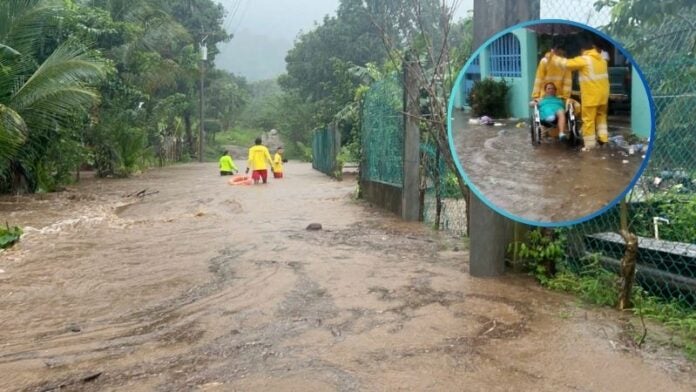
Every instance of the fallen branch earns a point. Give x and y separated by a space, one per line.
89 377
141 193
136 193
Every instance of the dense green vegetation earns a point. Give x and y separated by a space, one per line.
109 84
330 67
114 85
543 256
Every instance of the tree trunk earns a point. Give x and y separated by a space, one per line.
438 190
20 181
189 134
628 269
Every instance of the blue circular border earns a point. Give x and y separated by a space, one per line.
504 212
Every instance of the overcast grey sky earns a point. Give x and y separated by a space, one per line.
264 30
285 18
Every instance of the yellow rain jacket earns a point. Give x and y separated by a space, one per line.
277 163
227 164
550 72
592 75
258 155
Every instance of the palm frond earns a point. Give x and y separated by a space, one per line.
59 86
23 23
7 50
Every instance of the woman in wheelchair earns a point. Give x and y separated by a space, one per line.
552 113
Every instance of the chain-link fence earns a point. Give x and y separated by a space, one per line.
443 205
383 132
326 145
661 208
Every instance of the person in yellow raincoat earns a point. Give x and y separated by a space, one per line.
593 76
278 160
258 156
226 164
549 72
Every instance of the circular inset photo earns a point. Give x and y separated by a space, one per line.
550 122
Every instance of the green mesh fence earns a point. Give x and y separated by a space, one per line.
325 148
662 205
382 132
443 207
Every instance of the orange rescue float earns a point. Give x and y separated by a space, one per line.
240 180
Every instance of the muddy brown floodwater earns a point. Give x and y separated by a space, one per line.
546 183
205 286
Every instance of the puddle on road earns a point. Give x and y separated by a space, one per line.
547 183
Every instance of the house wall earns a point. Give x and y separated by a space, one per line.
640 107
520 88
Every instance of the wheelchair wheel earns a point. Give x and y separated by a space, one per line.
535 131
575 138
535 125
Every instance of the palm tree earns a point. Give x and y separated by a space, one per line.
40 91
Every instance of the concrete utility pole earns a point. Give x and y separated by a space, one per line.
491 232
201 129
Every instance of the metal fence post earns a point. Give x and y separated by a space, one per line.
410 193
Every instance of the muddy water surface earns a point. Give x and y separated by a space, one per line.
205 286
546 183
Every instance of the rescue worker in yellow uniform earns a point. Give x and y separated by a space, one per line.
278 160
226 164
548 72
258 156
593 76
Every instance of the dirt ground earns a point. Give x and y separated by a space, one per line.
202 286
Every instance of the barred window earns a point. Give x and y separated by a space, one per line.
505 57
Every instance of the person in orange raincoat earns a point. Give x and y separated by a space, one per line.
593 76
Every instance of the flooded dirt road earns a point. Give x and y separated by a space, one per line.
546 183
201 286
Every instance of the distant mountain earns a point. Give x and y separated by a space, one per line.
254 56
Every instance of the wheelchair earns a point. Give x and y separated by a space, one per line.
539 127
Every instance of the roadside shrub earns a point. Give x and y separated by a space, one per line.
9 235
487 98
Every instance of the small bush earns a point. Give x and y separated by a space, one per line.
487 98
540 253
304 151
9 235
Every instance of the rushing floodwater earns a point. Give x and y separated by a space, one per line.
547 183
202 286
